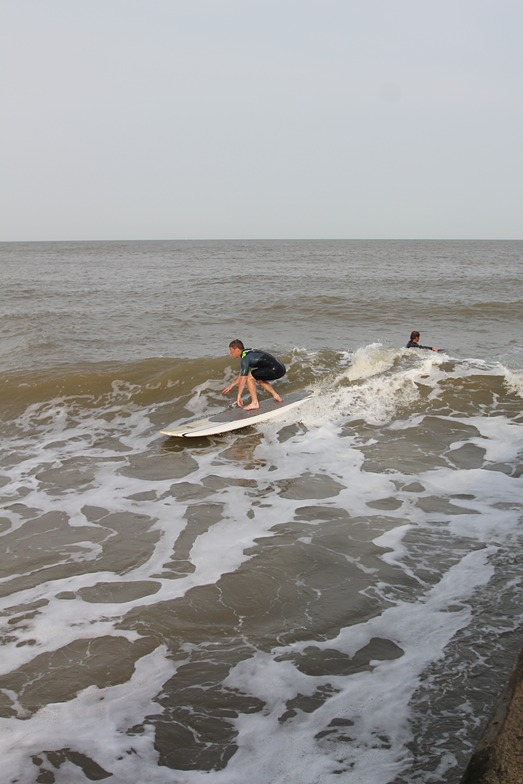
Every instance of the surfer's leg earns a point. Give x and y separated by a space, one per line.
270 389
251 386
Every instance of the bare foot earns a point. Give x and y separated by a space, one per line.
278 399
251 407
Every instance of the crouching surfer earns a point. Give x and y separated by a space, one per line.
256 367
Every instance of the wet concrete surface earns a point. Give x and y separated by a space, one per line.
498 758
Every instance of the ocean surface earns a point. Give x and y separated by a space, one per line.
333 596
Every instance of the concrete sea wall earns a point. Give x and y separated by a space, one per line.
498 758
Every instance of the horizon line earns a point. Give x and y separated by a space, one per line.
270 239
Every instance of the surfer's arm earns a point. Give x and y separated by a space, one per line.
412 344
231 386
242 380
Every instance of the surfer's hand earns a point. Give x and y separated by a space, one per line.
239 402
226 390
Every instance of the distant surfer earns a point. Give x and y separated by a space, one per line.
255 367
414 342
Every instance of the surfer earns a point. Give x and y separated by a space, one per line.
255 367
414 342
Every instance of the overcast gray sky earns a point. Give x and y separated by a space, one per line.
181 119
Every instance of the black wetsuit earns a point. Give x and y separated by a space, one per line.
412 344
263 366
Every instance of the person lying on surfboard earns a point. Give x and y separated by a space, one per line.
256 367
414 342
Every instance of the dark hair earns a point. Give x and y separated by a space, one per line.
237 344
414 335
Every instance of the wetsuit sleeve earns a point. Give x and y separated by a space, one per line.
245 365
411 344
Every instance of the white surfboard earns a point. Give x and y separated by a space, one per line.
235 418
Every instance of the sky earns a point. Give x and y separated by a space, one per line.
261 119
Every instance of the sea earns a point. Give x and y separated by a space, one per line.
333 596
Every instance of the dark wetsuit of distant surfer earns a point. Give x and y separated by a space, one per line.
414 342
255 367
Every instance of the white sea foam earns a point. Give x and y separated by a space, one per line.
407 532
97 724
514 381
375 703
370 360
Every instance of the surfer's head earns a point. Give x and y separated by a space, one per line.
414 336
236 348
237 344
